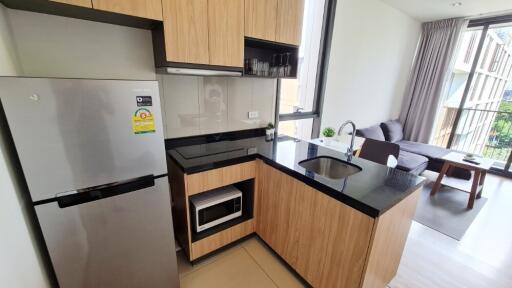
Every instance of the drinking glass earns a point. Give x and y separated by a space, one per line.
254 66
287 65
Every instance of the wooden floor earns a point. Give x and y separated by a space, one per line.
483 257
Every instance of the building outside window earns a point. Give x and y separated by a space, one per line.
485 125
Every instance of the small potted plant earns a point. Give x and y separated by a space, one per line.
270 129
328 134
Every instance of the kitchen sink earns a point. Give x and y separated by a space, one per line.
330 167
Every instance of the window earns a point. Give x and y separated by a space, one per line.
301 128
476 112
299 99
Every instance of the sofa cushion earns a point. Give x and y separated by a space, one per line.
412 163
393 130
372 132
429 151
434 155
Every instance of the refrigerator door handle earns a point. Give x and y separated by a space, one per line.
68 199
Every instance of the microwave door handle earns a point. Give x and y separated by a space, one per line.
68 199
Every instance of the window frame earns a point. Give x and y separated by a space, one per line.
484 24
321 77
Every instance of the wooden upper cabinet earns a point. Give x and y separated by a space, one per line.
260 19
151 9
289 21
83 3
186 31
226 32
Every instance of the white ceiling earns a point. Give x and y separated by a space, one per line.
430 10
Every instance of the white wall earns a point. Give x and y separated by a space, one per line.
20 263
54 46
371 56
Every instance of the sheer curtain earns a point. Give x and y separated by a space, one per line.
432 66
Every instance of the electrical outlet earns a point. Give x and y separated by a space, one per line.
252 150
254 114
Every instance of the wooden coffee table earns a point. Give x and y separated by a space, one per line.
454 159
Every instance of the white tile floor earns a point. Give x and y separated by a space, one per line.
248 264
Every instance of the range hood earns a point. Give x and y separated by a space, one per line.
197 72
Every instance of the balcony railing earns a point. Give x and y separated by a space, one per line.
484 132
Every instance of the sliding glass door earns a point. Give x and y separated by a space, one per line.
476 114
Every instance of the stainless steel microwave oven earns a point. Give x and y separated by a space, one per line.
215 207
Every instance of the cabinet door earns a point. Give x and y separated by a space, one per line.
83 3
186 31
324 240
260 19
289 21
151 9
226 32
277 210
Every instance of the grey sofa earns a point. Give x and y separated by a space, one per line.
414 157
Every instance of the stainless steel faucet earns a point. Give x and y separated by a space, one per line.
350 150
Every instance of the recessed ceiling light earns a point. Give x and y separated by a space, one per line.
456 4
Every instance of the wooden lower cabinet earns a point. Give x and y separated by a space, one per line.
327 242
208 180
221 239
324 240
388 242
185 185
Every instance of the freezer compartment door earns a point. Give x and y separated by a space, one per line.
125 240
74 133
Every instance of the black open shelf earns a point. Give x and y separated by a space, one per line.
247 189
264 50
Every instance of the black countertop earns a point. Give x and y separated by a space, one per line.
372 191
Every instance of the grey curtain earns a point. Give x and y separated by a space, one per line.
431 70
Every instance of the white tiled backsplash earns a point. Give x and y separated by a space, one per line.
194 105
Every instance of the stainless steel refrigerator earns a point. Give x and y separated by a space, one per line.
93 156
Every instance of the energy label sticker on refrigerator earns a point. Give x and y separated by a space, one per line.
143 121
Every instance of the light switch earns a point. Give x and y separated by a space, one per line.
254 114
